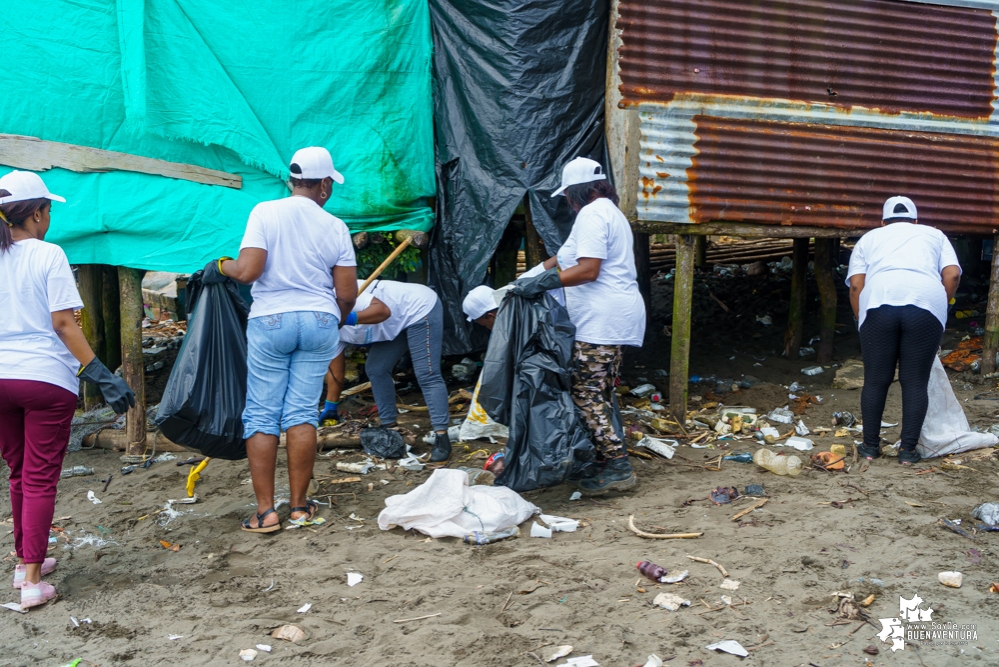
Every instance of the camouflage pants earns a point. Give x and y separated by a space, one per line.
597 367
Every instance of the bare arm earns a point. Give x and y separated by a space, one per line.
550 263
376 313
247 267
71 335
951 278
856 287
586 271
345 285
335 377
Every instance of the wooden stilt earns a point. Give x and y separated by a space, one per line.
111 305
799 290
683 296
643 269
825 265
991 343
701 252
90 278
534 248
505 259
133 368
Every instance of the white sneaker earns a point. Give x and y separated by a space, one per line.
48 566
33 595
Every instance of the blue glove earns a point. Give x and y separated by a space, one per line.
329 414
539 284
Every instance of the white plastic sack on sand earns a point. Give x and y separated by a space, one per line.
478 424
446 506
945 429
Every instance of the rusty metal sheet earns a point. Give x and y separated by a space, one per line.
884 55
697 168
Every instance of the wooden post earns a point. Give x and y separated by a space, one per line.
133 368
111 305
683 297
534 248
825 278
991 343
643 269
701 252
797 304
505 258
417 239
90 278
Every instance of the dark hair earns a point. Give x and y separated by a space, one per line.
310 183
581 194
15 213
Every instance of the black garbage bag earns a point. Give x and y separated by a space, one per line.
383 443
526 384
202 405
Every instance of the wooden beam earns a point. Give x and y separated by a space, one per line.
534 247
33 154
797 304
743 230
700 251
416 239
111 305
90 278
825 278
133 367
991 343
683 298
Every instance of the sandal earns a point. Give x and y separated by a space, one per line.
310 509
261 528
868 452
908 456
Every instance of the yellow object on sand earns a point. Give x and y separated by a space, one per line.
194 476
838 450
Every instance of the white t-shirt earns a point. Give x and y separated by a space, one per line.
36 281
902 263
610 310
408 302
303 244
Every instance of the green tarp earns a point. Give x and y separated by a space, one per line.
235 87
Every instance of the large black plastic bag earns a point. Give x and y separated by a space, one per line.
526 384
202 405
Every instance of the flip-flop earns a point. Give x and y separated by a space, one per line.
261 528
310 509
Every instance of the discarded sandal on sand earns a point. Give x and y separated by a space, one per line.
261 528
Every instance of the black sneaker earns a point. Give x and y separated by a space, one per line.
616 476
586 470
442 449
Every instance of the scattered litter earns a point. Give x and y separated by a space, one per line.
653 661
866 602
670 601
479 538
796 386
266 648
729 646
847 419
651 570
800 428
184 501
585 661
644 390
781 416
952 579
173 638
664 448
560 524
801 444
806 351
723 495
170 547
765 320
726 600
730 585
987 512
576 495
755 490
354 578
675 578
871 649
769 432
289 633
741 457
92 498
830 461
780 465
248 654
558 652
362 468
811 370
304 609
537 530
13 606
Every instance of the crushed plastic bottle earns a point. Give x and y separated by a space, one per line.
479 537
780 465
741 457
652 571
77 471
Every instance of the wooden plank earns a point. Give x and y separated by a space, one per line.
991 343
683 298
743 230
133 367
700 251
111 305
33 154
799 290
825 277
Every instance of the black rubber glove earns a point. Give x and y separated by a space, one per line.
531 287
116 391
211 274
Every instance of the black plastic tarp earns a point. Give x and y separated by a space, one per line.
518 92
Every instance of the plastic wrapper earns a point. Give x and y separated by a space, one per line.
526 384
202 404
383 443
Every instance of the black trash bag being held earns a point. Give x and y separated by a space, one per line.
202 405
526 384
383 443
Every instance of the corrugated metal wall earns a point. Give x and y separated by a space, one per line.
812 112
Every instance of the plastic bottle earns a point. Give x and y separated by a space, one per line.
477 537
651 570
77 471
781 465
741 457
702 379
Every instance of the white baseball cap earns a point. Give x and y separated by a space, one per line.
314 162
25 185
580 170
479 302
891 208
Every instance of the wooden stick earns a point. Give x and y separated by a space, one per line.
418 618
709 562
506 602
356 390
384 265
663 536
750 509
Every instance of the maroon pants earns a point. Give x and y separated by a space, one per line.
35 418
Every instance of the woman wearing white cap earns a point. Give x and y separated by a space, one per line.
901 278
44 354
301 262
596 265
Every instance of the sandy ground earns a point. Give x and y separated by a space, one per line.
225 590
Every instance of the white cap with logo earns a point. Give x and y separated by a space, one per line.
580 170
898 207
314 162
25 185
479 302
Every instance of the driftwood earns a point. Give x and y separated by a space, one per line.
709 562
659 536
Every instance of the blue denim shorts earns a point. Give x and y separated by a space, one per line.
287 358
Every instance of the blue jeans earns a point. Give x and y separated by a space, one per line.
287 357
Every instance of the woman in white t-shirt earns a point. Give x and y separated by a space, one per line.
596 266
901 278
393 317
301 262
44 354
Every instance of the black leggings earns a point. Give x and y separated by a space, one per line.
908 336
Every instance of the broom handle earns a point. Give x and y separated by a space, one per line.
384 265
